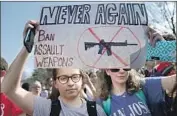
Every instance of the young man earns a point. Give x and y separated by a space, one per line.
67 81
8 108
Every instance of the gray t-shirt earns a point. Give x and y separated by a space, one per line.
42 107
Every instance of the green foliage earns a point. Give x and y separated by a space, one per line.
39 74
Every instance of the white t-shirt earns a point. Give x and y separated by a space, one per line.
42 107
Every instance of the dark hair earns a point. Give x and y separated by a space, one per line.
169 37
4 64
25 86
55 93
132 84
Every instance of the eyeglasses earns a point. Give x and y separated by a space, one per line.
117 70
64 78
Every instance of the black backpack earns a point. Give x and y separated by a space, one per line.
56 108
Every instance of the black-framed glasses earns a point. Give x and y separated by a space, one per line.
64 78
117 70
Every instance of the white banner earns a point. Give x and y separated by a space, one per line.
107 35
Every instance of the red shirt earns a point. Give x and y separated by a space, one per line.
8 108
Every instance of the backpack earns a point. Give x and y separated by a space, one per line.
56 108
107 103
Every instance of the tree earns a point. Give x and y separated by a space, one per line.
168 12
161 15
169 16
39 74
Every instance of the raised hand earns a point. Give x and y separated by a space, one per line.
30 24
154 36
29 33
88 85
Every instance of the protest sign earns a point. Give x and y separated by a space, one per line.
105 35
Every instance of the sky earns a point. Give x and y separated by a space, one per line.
14 15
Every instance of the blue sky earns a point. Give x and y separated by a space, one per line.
14 15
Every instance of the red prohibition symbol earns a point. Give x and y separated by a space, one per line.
98 39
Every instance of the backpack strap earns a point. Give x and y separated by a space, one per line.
141 96
55 108
107 105
91 108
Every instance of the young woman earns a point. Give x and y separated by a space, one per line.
67 81
126 94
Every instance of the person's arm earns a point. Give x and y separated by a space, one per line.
168 82
153 36
11 83
88 85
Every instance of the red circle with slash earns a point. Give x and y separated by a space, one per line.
98 39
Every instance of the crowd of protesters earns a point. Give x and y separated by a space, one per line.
149 91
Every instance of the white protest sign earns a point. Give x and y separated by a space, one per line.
106 35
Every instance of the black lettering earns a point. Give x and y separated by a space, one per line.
36 50
111 14
85 15
47 37
44 49
51 62
40 49
41 36
78 16
60 62
122 15
70 63
140 14
131 14
100 15
55 60
48 50
39 63
63 12
61 52
65 62
72 10
49 15
46 61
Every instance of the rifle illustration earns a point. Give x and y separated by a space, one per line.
102 44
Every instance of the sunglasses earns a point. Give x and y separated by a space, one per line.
117 70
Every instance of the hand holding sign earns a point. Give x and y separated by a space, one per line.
112 28
154 36
30 24
29 33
